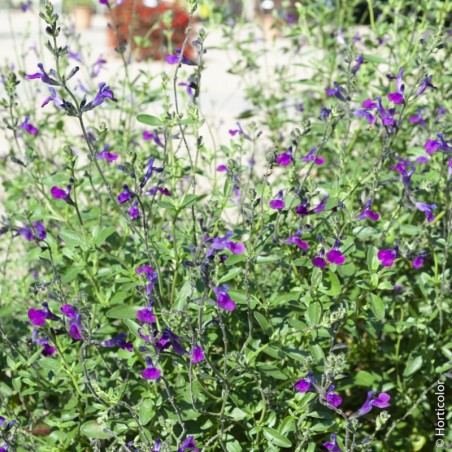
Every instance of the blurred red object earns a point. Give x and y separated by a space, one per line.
139 23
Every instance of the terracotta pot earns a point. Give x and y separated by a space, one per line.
145 18
82 17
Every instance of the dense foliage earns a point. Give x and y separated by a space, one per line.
286 288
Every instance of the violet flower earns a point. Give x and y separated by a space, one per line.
239 131
335 256
28 127
305 384
222 168
146 315
387 257
427 209
197 355
42 74
424 84
188 444
312 157
332 445
431 146
59 103
220 243
134 211
295 240
125 195
386 116
224 301
169 339
151 276
154 136
153 190
324 113
118 341
359 62
368 212
285 158
333 399
47 349
176 57
108 156
418 262
75 328
397 97
27 233
104 93
277 203
381 401
39 316
401 168
418 118
149 170
338 92
303 208
61 193
97 66
319 262
150 372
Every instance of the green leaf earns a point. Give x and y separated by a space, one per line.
92 429
188 201
372 260
378 306
230 275
146 411
72 237
263 322
412 366
276 438
102 234
234 259
149 120
366 379
123 312
133 327
314 313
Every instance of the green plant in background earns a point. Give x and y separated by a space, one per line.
287 288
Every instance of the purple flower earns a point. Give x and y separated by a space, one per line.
386 116
118 341
418 119
222 168
97 66
174 59
368 212
335 256
188 444
431 146
333 446
337 92
69 311
224 301
48 350
295 240
424 84
28 127
324 113
125 195
146 315
311 157
27 233
333 399
151 373
303 208
277 203
75 328
42 74
37 316
285 158
418 262
167 339
59 103
134 211
61 193
40 230
155 189
104 93
147 136
319 262
149 170
25 6
427 208
220 243
397 97
359 62
197 355
239 131
401 168
151 276
305 384
382 401
387 257
108 156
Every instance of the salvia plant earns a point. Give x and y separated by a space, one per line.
174 280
